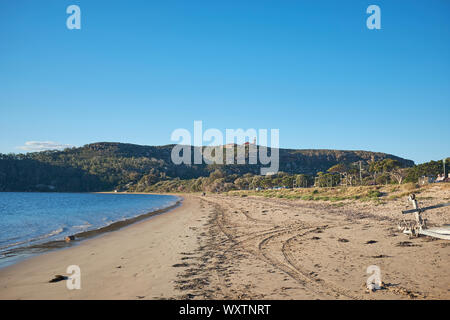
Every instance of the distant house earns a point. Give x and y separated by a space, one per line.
230 146
425 180
249 143
279 187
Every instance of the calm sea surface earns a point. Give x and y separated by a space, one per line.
29 221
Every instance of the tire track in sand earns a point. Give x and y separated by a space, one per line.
280 259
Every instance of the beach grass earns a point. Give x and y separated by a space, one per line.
377 193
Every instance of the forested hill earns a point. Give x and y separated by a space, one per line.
108 166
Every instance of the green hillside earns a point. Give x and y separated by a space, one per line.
109 166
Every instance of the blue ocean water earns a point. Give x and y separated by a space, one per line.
31 219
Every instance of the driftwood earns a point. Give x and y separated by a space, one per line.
420 225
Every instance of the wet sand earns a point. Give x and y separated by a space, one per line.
222 247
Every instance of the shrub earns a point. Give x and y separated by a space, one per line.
374 194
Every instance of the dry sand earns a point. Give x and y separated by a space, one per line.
221 247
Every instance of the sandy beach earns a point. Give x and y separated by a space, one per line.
224 247
132 263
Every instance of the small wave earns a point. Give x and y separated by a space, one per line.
27 241
54 233
83 226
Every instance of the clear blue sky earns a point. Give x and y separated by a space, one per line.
137 70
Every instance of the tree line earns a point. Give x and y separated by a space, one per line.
118 166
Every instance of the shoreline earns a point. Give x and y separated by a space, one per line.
222 247
100 258
17 255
